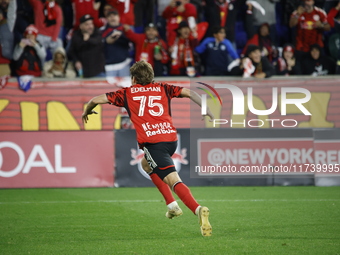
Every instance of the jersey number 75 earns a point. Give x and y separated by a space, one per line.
151 104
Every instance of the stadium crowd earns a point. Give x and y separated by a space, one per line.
98 38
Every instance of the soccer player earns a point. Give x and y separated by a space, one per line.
311 22
148 105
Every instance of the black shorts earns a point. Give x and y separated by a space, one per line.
158 156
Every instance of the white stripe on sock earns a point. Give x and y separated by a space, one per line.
197 209
172 205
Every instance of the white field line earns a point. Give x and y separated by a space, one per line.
157 201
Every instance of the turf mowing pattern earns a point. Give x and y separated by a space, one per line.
245 220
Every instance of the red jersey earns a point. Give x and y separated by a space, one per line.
126 13
83 7
307 34
333 13
182 55
145 48
39 18
175 17
149 109
223 13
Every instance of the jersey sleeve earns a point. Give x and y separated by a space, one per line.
116 98
323 16
190 10
172 91
134 37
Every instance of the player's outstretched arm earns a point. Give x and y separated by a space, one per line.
102 99
196 99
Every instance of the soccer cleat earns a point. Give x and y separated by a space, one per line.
175 212
203 216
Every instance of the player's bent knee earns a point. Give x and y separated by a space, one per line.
172 178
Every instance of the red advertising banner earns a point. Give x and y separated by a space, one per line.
327 155
56 159
58 105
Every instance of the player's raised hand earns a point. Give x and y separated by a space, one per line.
85 117
101 99
300 10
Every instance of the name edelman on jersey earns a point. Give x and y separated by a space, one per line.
142 89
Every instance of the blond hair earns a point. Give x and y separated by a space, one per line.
142 71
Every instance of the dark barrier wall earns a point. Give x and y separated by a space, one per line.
327 150
129 172
254 157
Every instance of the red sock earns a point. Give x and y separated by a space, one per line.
163 188
184 193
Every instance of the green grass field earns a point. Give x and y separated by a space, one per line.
245 220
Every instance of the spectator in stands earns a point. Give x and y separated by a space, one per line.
7 21
176 12
90 7
288 64
218 52
252 64
149 47
182 51
8 9
144 12
216 12
334 38
125 10
24 17
86 49
59 67
263 39
334 15
311 22
160 21
116 47
106 9
48 19
316 64
259 18
334 47
29 54
234 8
4 6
